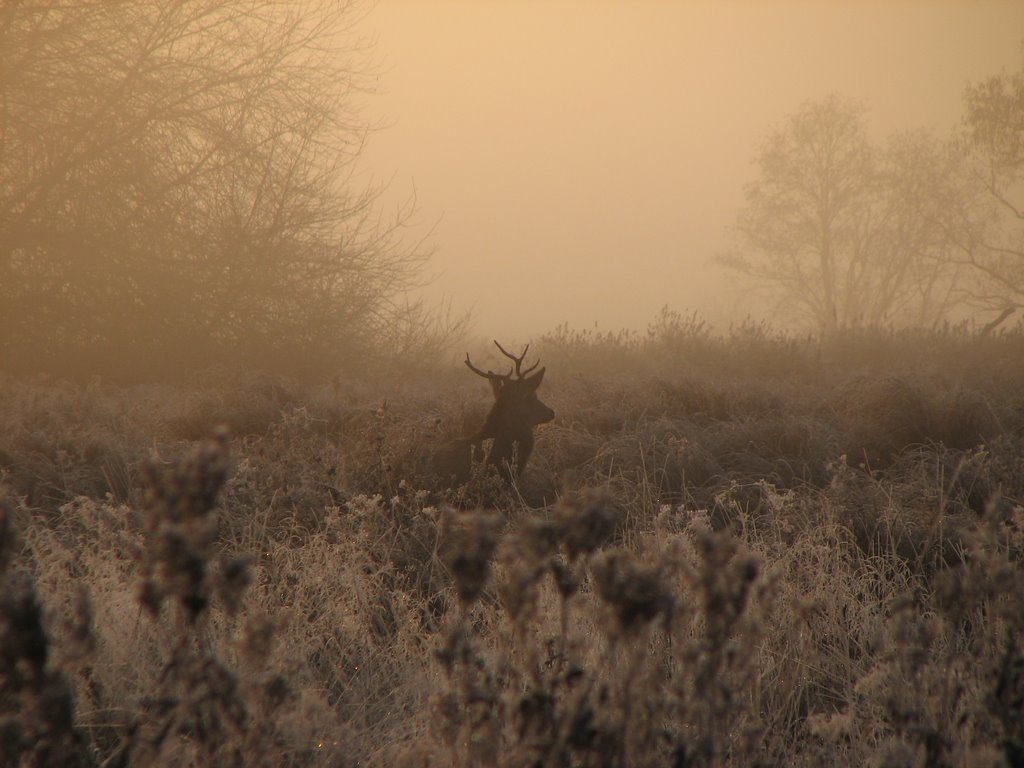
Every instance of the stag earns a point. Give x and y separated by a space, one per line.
516 411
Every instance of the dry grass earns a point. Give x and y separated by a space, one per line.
734 551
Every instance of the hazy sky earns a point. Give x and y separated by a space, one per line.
583 161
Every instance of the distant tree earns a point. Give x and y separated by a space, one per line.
177 189
837 228
986 228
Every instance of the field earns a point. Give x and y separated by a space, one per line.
749 549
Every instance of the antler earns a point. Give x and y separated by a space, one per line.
518 360
487 374
518 370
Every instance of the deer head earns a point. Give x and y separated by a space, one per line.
516 411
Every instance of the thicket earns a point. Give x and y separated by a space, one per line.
179 189
726 550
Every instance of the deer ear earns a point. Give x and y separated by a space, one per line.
496 387
535 380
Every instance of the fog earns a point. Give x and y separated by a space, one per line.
582 162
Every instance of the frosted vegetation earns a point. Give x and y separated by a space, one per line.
724 551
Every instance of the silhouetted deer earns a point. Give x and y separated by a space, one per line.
516 411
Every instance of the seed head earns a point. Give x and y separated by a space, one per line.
587 525
468 544
635 591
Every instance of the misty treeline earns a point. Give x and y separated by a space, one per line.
845 232
177 190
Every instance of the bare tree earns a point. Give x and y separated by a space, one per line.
986 227
837 227
176 186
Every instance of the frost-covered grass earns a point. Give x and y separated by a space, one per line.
738 550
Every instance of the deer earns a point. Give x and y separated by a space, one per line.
510 423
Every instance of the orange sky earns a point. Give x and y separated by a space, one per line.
583 161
